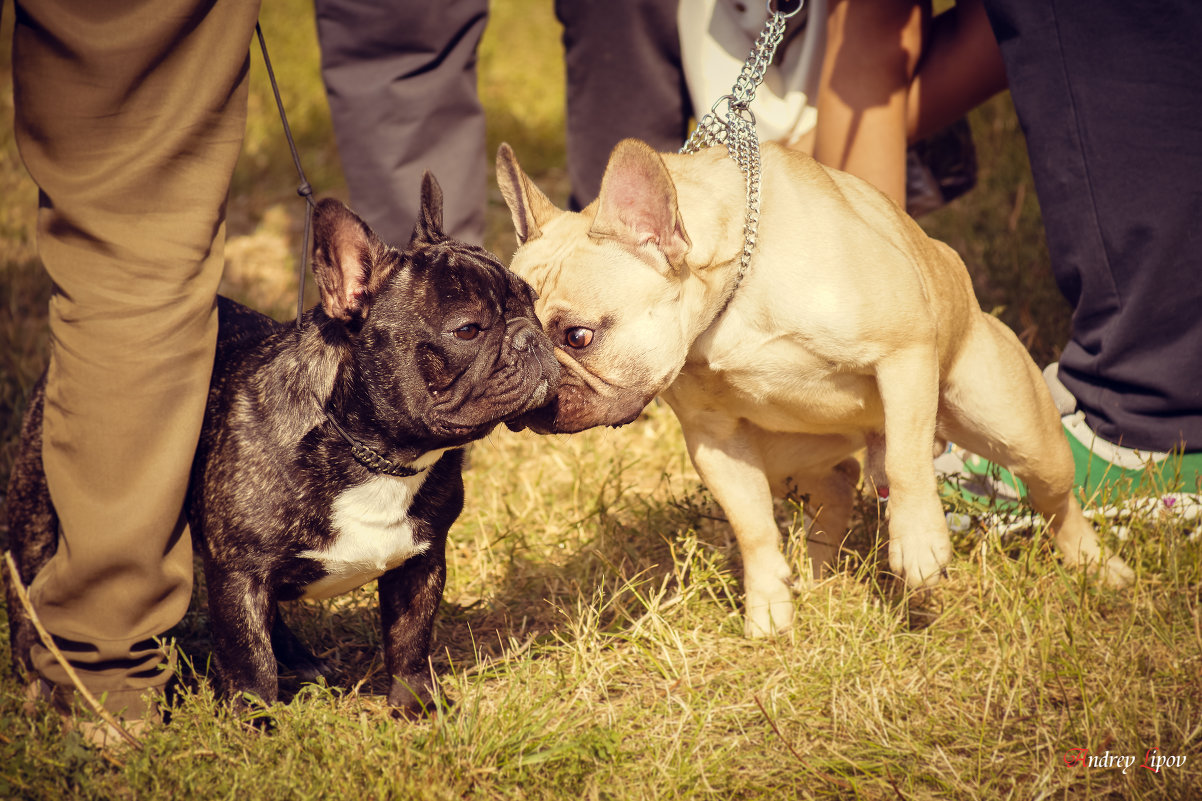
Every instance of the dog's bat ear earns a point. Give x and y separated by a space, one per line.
528 206
345 251
429 220
638 204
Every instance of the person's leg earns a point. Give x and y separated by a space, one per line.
401 82
961 67
624 79
892 77
1110 99
872 51
130 120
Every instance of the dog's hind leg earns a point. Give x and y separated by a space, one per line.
734 472
32 528
832 497
995 404
293 655
829 498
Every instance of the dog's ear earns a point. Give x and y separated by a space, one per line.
345 254
638 205
429 219
528 206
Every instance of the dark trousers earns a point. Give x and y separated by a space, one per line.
624 79
1109 95
401 82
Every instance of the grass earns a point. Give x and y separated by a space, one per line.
590 634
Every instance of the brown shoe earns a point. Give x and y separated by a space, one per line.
75 715
104 735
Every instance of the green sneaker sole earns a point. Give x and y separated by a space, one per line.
1103 472
1104 469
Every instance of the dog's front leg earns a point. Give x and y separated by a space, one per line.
241 615
919 546
409 597
734 473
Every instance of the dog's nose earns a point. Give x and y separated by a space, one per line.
525 336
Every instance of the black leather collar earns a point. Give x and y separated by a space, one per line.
372 459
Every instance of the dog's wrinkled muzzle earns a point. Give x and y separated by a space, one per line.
584 400
586 377
577 407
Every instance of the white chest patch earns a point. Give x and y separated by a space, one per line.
373 532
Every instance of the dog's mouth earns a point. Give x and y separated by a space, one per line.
585 400
468 430
516 388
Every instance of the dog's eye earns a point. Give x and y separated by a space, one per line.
466 332
578 337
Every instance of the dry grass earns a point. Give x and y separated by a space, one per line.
590 635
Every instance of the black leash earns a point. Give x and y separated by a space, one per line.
363 454
304 190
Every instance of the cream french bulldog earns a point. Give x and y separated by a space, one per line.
850 329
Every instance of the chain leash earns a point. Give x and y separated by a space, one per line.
730 121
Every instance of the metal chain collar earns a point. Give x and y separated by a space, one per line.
730 121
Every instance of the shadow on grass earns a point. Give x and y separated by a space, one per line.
647 553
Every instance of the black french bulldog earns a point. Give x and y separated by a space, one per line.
330 453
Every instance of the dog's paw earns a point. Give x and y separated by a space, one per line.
1114 573
1111 571
920 562
416 699
768 612
801 584
252 710
307 669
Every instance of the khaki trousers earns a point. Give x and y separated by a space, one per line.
130 117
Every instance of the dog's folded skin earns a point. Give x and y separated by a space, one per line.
852 328
330 453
